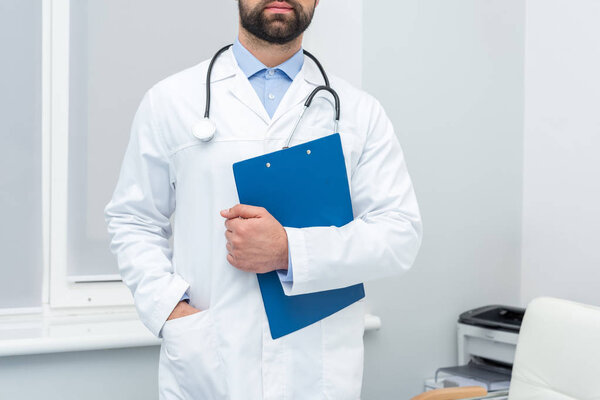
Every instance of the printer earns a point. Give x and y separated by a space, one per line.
487 341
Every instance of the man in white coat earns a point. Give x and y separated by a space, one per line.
201 295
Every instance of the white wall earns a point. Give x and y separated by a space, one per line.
124 374
561 197
335 38
450 76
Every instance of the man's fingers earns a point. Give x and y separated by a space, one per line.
230 259
231 224
244 211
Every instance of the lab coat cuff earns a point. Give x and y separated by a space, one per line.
298 258
166 302
287 275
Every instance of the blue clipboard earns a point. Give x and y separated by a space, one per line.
302 186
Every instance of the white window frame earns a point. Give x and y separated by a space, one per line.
60 291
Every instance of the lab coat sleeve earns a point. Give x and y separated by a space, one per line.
138 220
385 235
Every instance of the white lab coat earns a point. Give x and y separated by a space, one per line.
226 351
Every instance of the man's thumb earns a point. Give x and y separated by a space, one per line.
244 211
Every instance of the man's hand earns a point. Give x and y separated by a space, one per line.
256 241
182 309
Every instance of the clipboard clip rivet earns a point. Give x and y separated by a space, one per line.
268 165
307 151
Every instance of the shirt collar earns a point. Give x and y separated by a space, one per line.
250 65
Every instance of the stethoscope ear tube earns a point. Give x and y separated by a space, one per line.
325 78
307 104
208 75
333 93
205 129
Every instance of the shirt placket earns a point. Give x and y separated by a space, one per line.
269 95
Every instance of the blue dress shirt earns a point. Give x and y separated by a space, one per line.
270 85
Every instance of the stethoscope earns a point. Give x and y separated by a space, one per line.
205 129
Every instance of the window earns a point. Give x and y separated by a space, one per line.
21 154
105 55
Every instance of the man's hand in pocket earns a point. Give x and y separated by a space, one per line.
182 309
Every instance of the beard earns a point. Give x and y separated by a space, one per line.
276 28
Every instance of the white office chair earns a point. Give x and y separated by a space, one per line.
558 353
557 358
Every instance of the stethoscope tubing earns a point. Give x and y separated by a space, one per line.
307 103
208 76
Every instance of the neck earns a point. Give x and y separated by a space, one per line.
270 54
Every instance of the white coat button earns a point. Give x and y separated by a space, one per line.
271 96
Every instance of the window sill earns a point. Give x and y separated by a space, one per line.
39 334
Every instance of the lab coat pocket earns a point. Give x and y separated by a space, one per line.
343 352
191 348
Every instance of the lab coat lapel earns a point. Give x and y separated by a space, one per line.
306 80
242 89
226 67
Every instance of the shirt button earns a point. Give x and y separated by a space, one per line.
271 72
271 96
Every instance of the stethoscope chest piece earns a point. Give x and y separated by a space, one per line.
204 130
